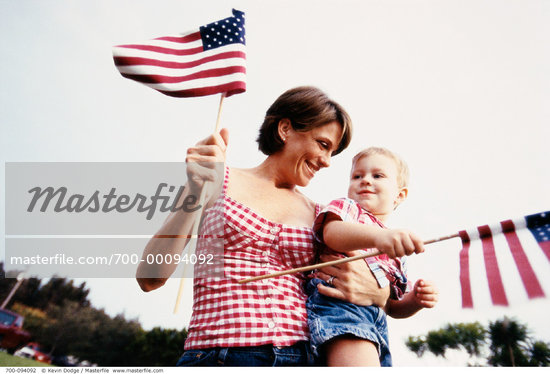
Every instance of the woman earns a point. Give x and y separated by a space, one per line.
266 226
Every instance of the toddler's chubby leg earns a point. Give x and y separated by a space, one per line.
351 351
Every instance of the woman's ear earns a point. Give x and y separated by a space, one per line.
284 128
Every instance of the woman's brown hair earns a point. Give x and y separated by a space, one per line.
306 108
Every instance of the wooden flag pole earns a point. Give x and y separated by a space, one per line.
194 235
217 128
335 262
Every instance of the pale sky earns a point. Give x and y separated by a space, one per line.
459 88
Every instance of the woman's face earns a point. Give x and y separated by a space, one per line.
305 153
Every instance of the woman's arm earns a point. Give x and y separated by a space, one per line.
202 161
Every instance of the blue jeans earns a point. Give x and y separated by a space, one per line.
298 354
329 318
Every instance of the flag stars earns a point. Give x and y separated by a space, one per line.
227 31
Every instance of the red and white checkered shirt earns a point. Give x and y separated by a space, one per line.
270 311
386 271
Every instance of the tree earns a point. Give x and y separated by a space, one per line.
468 336
33 293
160 347
90 334
60 317
510 343
540 354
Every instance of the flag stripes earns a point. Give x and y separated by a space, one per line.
143 66
526 272
215 72
495 259
467 301
496 288
205 61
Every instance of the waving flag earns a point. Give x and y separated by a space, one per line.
205 61
513 257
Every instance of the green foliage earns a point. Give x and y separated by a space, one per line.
540 354
60 317
159 347
508 341
468 336
417 345
438 342
34 294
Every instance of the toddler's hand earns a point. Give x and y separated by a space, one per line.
398 243
426 294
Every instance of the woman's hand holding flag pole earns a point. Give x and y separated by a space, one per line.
205 61
194 235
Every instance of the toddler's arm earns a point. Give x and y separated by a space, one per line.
348 236
424 295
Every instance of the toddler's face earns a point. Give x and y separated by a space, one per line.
374 185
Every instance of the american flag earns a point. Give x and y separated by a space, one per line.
505 263
205 61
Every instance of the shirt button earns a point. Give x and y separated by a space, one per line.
265 281
268 300
264 253
274 230
264 264
271 324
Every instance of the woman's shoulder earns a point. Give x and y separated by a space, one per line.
240 178
312 205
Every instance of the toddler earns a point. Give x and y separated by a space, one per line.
353 335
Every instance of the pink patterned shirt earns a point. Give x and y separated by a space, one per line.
270 311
